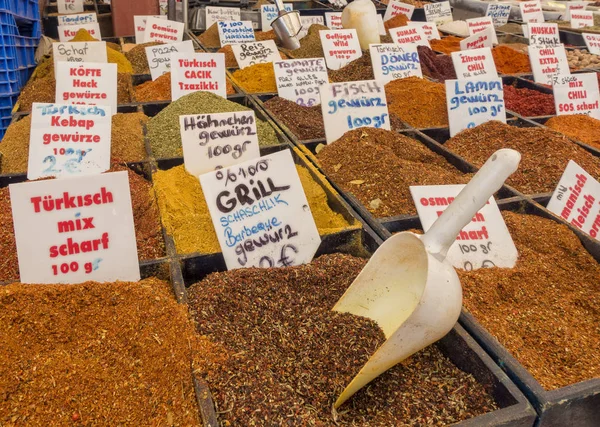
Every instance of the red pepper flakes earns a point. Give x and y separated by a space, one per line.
528 102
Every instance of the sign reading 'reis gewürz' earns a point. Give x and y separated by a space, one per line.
260 213
75 230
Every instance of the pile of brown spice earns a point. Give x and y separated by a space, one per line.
420 103
446 45
397 21
137 57
310 45
265 35
286 357
124 89
127 137
160 89
210 38
545 309
378 166
306 123
258 78
577 126
510 61
14 147
439 67
9 264
96 353
544 153
359 69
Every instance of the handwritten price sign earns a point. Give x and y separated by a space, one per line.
261 214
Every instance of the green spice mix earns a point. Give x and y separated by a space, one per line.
163 129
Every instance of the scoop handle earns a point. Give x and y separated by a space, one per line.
473 197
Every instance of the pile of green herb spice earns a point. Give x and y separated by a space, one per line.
163 129
286 355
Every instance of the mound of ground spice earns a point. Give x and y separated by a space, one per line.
258 78
544 153
397 21
265 35
577 126
287 356
426 110
92 352
310 45
9 264
15 147
359 69
163 129
511 28
446 45
510 61
124 88
186 218
127 137
528 102
37 90
305 122
545 309
210 38
137 57
439 67
377 166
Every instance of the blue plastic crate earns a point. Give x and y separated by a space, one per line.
8 100
24 8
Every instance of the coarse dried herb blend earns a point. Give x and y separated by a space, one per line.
359 69
163 129
137 57
286 357
310 45
544 153
439 67
96 354
580 127
258 78
186 217
378 166
528 102
420 103
545 309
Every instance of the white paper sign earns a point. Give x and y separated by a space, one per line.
68 140
253 53
232 32
543 34
307 21
531 11
483 38
340 47
474 63
268 13
396 7
82 18
197 72
439 13
499 13
576 199
573 6
215 141
139 22
159 56
69 6
163 30
403 36
429 29
577 94
75 230
477 25
484 242
79 52
333 20
298 80
67 32
352 105
391 62
472 102
90 83
216 14
581 19
548 62
260 213
592 41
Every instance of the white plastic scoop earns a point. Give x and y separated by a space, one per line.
408 288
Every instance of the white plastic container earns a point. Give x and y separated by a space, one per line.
361 15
